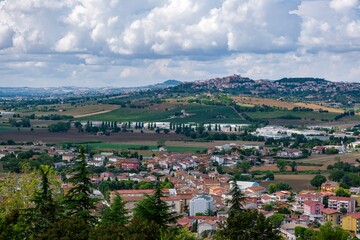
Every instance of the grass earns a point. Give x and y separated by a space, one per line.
118 146
199 114
283 113
7 129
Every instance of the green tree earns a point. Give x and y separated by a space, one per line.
272 188
237 198
46 210
293 166
78 200
341 192
317 181
281 186
281 165
248 224
244 165
116 213
276 219
328 232
67 229
154 209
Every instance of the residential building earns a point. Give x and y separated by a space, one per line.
205 225
200 204
313 196
338 203
313 207
331 215
351 222
329 186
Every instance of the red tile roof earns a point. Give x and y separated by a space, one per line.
340 198
311 203
329 211
355 215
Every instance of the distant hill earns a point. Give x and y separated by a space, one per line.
172 82
166 84
301 80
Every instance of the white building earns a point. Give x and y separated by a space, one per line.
200 204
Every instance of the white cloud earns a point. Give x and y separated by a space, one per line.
121 42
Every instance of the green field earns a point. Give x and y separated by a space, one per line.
202 114
303 115
7 129
118 146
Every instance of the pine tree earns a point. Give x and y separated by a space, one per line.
78 200
237 199
116 213
46 211
154 209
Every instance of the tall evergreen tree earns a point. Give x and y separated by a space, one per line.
78 200
116 213
237 199
154 209
46 211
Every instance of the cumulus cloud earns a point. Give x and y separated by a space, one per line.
121 42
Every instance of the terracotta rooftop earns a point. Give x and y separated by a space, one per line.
340 198
329 211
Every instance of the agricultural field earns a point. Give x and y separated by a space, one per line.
323 159
301 115
251 101
197 113
151 147
298 182
25 135
78 110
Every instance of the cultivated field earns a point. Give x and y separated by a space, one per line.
282 104
79 110
197 113
298 182
25 135
312 116
323 159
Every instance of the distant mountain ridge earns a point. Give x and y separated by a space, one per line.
72 90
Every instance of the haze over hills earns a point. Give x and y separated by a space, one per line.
302 88
72 90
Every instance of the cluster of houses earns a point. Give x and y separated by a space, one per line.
200 192
202 198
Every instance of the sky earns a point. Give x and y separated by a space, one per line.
125 43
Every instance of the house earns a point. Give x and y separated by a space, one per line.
99 158
339 203
129 164
297 219
282 195
115 158
290 153
331 215
266 199
255 191
95 163
206 225
318 149
243 185
351 222
329 186
68 157
313 196
312 208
